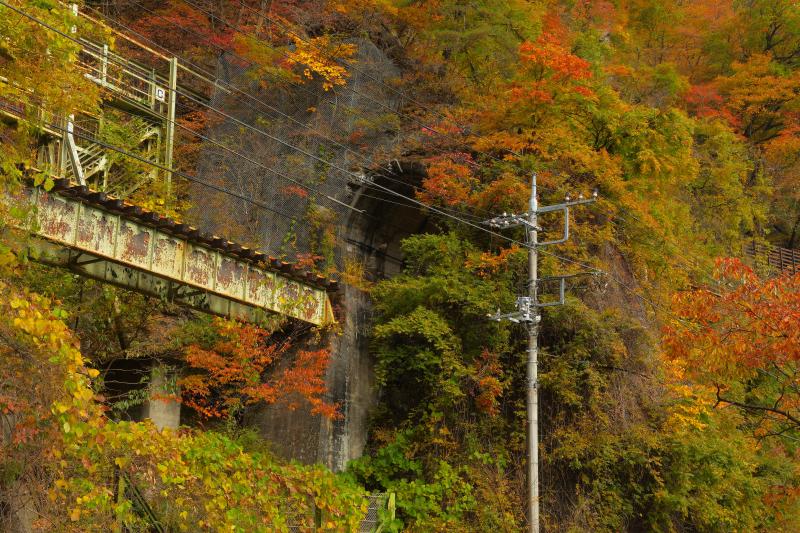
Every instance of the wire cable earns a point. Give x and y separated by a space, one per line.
261 102
414 119
262 205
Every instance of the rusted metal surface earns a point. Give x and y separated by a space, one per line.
119 249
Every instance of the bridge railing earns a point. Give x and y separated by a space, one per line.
124 78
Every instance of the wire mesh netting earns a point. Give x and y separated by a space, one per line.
372 520
298 149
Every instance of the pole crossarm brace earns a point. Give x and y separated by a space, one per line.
523 314
507 220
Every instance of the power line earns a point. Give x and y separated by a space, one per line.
180 173
287 30
300 86
386 189
261 102
219 188
264 206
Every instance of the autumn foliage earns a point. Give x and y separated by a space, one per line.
654 417
741 338
241 368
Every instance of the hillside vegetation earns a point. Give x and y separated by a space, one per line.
669 381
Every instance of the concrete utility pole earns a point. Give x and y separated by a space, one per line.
528 313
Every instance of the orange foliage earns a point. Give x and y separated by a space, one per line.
234 373
599 13
550 55
294 190
552 68
179 26
705 101
488 386
757 95
532 94
506 193
449 182
322 57
307 260
748 333
489 263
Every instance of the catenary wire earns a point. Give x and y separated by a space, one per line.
286 30
232 193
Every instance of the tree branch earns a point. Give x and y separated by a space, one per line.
751 407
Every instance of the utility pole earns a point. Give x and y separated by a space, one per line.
528 313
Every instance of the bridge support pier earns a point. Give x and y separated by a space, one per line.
163 406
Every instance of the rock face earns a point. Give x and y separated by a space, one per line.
313 159
374 242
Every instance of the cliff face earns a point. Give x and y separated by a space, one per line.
348 138
371 240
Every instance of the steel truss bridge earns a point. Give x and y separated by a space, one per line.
80 226
108 239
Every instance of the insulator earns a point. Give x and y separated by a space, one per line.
567 197
594 193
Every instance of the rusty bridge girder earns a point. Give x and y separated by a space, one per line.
116 242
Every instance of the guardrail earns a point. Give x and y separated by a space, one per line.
124 78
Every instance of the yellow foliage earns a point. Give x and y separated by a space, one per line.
321 57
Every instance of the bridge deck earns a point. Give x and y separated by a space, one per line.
113 241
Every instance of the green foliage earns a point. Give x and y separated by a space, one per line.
684 114
191 479
614 438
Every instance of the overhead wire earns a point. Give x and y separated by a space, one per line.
286 30
247 60
404 96
264 206
194 179
386 189
261 102
185 175
91 138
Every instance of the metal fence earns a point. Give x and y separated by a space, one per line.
773 259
